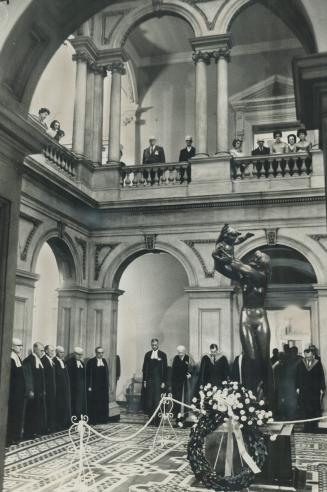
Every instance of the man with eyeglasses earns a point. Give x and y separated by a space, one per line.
16 394
97 377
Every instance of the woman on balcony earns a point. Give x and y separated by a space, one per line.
303 145
55 131
291 146
278 146
236 150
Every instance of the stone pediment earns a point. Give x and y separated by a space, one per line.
273 88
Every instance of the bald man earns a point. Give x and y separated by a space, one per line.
182 369
63 404
16 394
77 378
35 411
50 387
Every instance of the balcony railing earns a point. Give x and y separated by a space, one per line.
271 166
155 175
64 160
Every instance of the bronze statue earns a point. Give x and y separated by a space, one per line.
254 327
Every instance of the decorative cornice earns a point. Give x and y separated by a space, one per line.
97 263
82 243
36 223
271 236
117 67
191 243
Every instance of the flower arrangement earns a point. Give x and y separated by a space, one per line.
229 405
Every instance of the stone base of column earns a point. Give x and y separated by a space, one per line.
201 155
223 153
114 410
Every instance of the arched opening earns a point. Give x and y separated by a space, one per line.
291 298
154 305
45 315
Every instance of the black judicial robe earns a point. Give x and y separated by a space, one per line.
181 385
154 374
50 390
213 372
77 378
185 155
15 403
97 382
310 381
35 411
285 379
63 403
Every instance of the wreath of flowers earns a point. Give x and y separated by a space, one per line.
231 402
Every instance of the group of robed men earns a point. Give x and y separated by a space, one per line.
186 379
45 391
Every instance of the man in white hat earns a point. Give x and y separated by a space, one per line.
153 153
77 377
189 151
16 394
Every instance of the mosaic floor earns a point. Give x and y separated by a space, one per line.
48 463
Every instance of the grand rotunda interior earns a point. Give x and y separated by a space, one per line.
102 246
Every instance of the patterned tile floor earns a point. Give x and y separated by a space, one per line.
133 465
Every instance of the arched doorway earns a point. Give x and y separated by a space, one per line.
45 313
154 305
291 297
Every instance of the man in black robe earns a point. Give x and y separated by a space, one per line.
77 378
154 378
214 368
50 387
35 411
97 377
16 394
181 374
310 383
63 408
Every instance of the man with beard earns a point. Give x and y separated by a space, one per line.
35 412
50 387
77 378
16 394
154 377
181 375
63 410
214 368
97 377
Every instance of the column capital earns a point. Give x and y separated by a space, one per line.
204 56
97 69
81 56
117 67
222 52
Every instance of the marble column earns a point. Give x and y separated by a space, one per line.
100 74
117 69
222 58
89 112
201 60
80 102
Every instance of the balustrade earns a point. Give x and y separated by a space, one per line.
64 160
155 174
272 166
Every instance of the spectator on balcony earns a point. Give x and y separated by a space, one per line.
55 131
278 146
236 150
261 149
189 151
153 154
291 146
303 145
43 114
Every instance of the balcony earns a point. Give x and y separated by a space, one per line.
212 176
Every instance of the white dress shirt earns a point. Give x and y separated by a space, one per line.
38 363
16 359
49 359
79 364
100 363
154 354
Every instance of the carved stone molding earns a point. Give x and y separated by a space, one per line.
204 56
191 244
61 226
36 223
321 239
150 241
82 243
98 263
117 67
271 236
157 5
